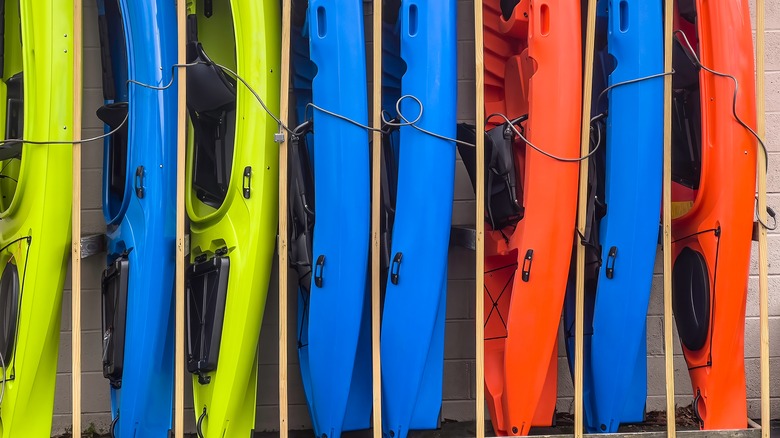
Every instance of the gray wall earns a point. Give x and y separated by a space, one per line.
459 370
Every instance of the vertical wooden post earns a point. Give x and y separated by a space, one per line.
284 104
479 83
671 426
75 271
763 285
582 203
181 146
376 169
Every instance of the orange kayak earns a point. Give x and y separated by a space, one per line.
714 172
531 49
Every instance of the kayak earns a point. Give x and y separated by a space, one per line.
139 181
231 197
424 39
712 215
329 210
35 206
530 200
629 207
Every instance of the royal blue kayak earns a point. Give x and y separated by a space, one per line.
330 202
420 49
615 360
139 183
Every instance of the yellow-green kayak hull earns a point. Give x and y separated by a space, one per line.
36 219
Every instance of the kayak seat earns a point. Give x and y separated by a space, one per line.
211 101
507 7
687 9
686 72
691 298
686 120
14 119
501 191
206 289
391 9
9 303
114 115
114 298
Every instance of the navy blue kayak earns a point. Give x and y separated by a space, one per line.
329 209
139 183
419 50
616 351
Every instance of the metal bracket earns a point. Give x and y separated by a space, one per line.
92 244
463 237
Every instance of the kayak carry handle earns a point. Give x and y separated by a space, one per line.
247 182
139 182
395 268
318 267
527 262
611 256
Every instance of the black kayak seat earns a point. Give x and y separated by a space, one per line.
211 101
208 88
113 114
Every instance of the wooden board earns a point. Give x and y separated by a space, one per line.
284 269
181 145
582 204
75 272
671 427
763 267
479 83
376 199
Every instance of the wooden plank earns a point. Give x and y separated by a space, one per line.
75 275
284 269
763 267
582 205
376 165
181 145
479 83
671 426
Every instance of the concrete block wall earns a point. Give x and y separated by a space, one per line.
459 367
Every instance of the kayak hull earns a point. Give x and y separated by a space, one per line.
35 226
524 51
711 241
237 236
616 381
334 318
141 226
413 336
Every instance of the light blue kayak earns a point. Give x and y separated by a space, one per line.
420 50
616 360
139 183
330 239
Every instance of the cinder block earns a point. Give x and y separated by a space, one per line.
457 380
459 342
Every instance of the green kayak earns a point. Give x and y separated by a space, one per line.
231 200
35 206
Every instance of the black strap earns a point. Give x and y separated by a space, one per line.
388 190
596 209
301 205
